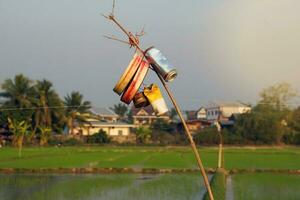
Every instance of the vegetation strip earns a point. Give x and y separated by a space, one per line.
111 170
101 170
218 185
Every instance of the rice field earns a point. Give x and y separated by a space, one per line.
266 186
149 157
101 187
252 185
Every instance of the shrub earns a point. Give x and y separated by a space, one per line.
55 141
98 138
72 142
208 135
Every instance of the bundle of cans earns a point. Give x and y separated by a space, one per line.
131 80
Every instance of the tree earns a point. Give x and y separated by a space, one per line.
76 109
277 96
120 109
293 127
143 134
44 134
173 113
47 97
19 129
267 121
18 93
99 138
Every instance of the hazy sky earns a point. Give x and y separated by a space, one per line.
222 49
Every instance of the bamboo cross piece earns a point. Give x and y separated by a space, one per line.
133 41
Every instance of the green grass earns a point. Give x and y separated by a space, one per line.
266 186
148 157
218 185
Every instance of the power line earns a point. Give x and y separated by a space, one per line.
40 107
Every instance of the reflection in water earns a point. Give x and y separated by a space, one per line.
98 187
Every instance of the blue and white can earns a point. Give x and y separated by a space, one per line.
160 63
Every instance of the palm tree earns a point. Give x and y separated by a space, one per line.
18 93
47 97
76 109
120 109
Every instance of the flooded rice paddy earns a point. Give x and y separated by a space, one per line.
98 187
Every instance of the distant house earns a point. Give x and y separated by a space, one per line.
146 116
105 114
117 131
194 126
196 114
222 111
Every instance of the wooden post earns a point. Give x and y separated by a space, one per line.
220 157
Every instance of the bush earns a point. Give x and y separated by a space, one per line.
208 135
162 137
297 139
230 137
98 138
55 141
72 142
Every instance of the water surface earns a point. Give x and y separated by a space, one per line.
98 187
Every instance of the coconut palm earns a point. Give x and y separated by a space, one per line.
120 109
18 93
47 97
76 109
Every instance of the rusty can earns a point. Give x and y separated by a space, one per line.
139 100
160 63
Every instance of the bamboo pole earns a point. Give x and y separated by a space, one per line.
187 132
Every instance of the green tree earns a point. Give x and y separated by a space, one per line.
267 122
173 113
161 125
47 97
143 134
293 127
99 138
120 109
18 93
19 129
277 96
76 109
44 134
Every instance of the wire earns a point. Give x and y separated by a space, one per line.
36 108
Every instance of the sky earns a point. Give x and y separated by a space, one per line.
222 49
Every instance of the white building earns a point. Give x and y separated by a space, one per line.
117 131
223 110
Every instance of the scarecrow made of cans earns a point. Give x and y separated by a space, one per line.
131 80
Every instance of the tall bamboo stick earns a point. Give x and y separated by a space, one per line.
187 132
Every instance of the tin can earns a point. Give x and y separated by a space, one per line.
128 74
135 83
156 99
139 100
160 63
